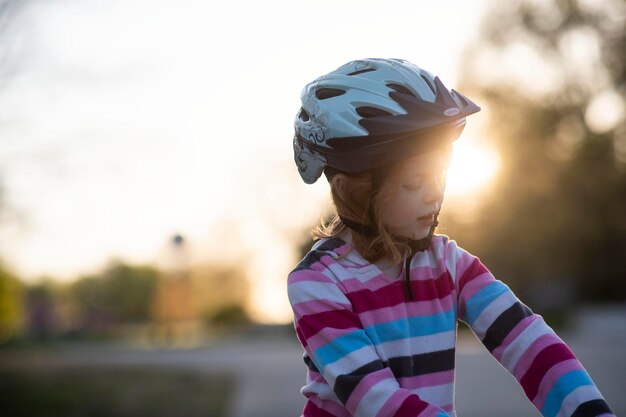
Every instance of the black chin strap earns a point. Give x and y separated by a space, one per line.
416 246
364 229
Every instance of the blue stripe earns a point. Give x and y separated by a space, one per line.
412 327
339 347
381 333
481 300
563 387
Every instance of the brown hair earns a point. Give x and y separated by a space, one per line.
360 198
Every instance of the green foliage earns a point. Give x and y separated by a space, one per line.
121 293
558 208
228 316
10 305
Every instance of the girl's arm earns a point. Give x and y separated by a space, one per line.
551 376
341 351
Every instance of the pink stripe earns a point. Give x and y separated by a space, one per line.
366 300
375 283
402 311
471 288
517 330
468 272
365 385
341 250
311 324
464 262
425 273
428 380
380 280
526 360
476 284
551 377
321 265
327 406
394 402
545 360
312 410
314 307
322 338
405 405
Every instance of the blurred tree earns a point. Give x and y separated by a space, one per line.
223 293
10 305
121 293
228 316
41 319
551 78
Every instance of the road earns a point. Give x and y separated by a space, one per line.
270 371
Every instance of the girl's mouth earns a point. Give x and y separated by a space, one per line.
427 220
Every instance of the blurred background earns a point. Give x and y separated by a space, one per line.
150 210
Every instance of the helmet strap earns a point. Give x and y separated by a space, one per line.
364 229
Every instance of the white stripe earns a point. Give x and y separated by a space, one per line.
577 397
424 260
302 291
417 345
439 395
367 273
451 261
496 307
518 347
322 390
349 363
337 272
376 398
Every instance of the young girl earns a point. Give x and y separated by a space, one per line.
377 299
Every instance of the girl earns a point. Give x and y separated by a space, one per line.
377 299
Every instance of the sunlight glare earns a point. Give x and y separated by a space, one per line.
472 168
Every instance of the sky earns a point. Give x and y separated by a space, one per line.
128 121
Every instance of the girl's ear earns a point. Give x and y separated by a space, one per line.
351 190
338 181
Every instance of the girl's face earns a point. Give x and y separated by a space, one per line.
416 194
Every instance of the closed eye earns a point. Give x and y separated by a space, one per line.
413 185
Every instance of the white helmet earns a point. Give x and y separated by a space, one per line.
373 112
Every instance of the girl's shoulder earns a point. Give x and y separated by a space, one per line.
445 245
442 246
334 257
456 260
448 251
323 252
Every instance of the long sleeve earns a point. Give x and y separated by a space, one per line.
339 348
547 370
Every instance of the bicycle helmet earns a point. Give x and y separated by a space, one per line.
373 112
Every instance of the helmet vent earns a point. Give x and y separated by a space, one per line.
362 71
303 115
459 97
367 112
324 93
427 81
401 89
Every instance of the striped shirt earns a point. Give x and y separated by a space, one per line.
371 352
